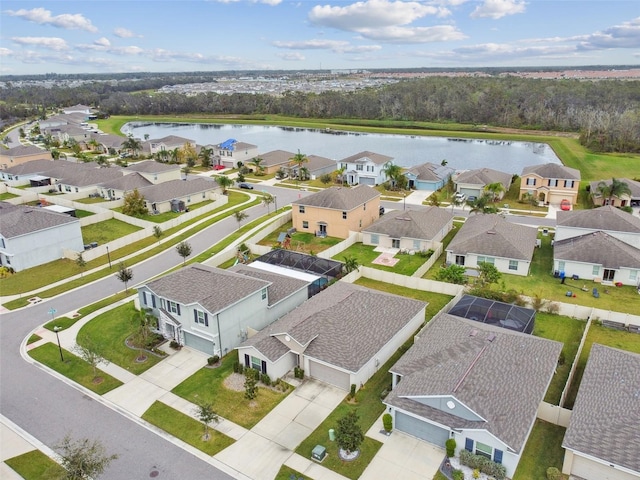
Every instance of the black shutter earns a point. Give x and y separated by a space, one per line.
178 305
247 361
153 300
206 319
144 298
195 316
264 367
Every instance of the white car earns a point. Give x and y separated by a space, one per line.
459 197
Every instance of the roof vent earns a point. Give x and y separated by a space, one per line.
473 333
492 336
451 405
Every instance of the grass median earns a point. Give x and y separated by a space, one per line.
35 465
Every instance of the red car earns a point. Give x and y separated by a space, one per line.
565 205
219 167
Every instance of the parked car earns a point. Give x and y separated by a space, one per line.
219 167
248 186
459 197
565 205
471 199
381 210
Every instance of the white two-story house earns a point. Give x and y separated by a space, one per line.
365 168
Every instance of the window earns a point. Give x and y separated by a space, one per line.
561 265
484 450
360 223
513 265
264 293
258 364
633 275
144 298
596 270
416 244
173 307
490 260
531 181
568 184
395 243
2 243
359 168
305 224
459 259
553 182
67 188
301 208
201 318
203 195
375 238
344 215
364 207
369 168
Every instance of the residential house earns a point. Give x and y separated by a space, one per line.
366 168
69 133
491 239
82 178
21 174
231 151
62 120
602 440
623 201
272 161
214 310
550 183
336 211
179 195
79 108
428 176
168 143
598 256
609 219
11 157
341 336
413 230
476 383
316 166
31 236
117 188
107 143
156 172
472 183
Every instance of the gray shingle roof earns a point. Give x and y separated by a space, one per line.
340 198
606 218
17 220
128 182
165 191
605 422
487 376
484 176
316 163
430 171
80 177
345 325
151 166
632 184
599 248
377 158
419 224
213 288
493 235
552 170
281 286
24 150
275 157
34 166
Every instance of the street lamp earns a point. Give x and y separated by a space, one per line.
57 329
275 200
404 201
108 256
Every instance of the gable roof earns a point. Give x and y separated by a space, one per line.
334 327
316 163
32 166
24 151
17 220
340 198
448 359
275 157
171 140
599 248
493 235
367 156
419 224
212 288
127 182
605 423
151 166
280 287
430 171
85 177
606 218
552 170
633 185
484 176
165 191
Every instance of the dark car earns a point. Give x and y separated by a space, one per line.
381 210
248 186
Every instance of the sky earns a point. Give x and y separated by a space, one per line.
101 36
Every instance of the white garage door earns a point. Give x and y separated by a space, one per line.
329 375
367 181
590 470
198 343
426 431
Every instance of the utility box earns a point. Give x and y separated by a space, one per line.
318 453
332 435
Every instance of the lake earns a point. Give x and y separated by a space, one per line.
406 150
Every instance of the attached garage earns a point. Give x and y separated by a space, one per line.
421 429
471 192
330 375
199 343
590 470
367 181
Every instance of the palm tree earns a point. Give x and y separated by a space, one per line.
304 174
392 172
162 156
257 163
495 189
481 204
205 156
239 215
299 159
175 155
616 188
225 182
340 173
267 200
133 145
350 264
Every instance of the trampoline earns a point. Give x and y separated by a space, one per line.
492 312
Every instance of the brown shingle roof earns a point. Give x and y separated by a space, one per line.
493 235
340 198
316 163
484 176
151 166
552 170
606 218
377 158
598 248
127 182
17 220
281 285
24 150
419 224
487 376
605 422
633 185
275 157
165 191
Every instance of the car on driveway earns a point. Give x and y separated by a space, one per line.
381 210
565 205
219 167
246 185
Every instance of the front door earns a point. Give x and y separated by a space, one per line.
459 259
395 243
323 229
608 275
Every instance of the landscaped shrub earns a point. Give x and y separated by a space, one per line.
450 445
387 422
352 391
553 474
298 372
496 470
457 475
264 378
476 473
553 307
174 344
213 360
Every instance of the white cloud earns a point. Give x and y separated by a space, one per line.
292 56
498 8
336 46
5 52
52 43
41 16
439 33
372 14
125 33
626 35
102 42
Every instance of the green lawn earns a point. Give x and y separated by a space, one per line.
83 213
365 255
605 336
166 216
92 200
33 339
206 385
74 368
104 232
66 322
442 259
7 196
286 473
543 450
35 465
301 241
186 428
108 333
568 331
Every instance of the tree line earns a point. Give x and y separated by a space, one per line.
605 113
